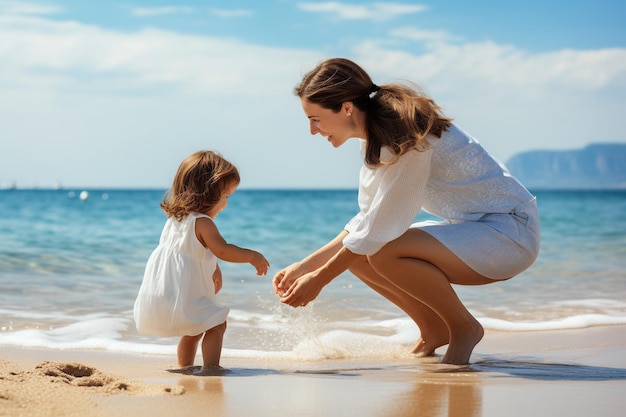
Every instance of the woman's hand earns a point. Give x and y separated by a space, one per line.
303 290
284 278
300 283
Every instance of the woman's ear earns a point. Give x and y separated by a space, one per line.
347 107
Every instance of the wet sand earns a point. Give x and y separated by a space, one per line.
575 372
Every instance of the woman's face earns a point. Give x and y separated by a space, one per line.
337 128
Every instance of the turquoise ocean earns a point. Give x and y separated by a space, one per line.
70 269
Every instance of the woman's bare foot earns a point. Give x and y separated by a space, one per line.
462 343
424 349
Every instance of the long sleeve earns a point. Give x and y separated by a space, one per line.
390 197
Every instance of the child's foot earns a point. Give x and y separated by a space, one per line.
185 370
214 370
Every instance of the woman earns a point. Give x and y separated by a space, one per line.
414 158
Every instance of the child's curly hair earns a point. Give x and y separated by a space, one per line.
199 183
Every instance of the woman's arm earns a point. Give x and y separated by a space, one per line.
307 287
393 197
284 278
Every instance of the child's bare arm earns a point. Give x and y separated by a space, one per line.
210 237
260 263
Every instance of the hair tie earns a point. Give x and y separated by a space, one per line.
373 90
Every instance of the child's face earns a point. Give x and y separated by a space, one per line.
221 205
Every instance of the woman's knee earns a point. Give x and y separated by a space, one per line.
361 267
381 260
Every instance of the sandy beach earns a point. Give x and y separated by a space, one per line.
574 373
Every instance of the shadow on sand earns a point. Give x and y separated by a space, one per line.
536 369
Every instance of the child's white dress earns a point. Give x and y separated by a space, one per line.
177 294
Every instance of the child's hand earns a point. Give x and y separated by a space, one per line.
217 279
260 263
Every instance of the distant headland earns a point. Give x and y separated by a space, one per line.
598 166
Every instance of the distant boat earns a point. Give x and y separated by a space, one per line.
84 195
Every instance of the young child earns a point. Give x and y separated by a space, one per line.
177 295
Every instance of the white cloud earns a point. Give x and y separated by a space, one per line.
373 11
25 8
398 9
38 52
231 13
491 66
170 10
420 35
89 98
159 11
511 99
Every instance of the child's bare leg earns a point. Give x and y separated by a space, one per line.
187 348
212 347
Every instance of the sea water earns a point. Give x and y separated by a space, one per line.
71 265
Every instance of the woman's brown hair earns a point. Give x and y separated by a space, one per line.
199 183
397 116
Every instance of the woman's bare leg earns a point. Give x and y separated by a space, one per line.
433 331
187 348
421 266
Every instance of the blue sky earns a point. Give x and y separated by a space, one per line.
117 93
